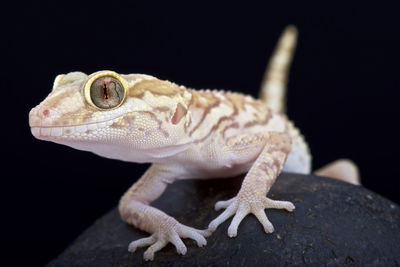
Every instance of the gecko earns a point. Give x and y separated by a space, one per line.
184 134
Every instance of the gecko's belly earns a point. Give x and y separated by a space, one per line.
206 168
221 172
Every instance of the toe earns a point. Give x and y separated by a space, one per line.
141 243
221 218
205 233
177 241
188 232
223 204
240 214
149 253
260 214
277 204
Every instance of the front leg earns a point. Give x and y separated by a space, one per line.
258 181
135 209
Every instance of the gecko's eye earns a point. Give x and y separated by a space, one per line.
106 92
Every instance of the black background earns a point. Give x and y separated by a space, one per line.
343 93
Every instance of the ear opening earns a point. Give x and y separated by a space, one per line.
180 112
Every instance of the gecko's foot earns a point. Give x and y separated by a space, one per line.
170 231
241 206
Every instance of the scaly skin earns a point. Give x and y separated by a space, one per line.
185 134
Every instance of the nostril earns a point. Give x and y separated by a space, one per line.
46 113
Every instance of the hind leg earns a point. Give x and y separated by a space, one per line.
342 169
299 159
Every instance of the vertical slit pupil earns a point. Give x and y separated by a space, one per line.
105 91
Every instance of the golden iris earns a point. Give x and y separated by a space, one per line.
106 92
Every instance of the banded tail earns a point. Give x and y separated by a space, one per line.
273 87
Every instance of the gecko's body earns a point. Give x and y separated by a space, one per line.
185 134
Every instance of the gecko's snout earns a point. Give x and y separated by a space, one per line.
34 119
35 122
40 119
38 115
43 117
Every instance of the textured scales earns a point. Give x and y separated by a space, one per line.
185 134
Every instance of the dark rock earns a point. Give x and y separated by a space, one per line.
334 223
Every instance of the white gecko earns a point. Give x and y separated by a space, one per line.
185 134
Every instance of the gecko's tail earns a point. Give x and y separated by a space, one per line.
273 87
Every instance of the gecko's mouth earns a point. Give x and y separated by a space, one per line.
74 131
53 132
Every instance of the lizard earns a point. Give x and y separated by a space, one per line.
184 133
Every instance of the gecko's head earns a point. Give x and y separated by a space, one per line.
106 110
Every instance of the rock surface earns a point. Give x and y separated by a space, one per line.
334 223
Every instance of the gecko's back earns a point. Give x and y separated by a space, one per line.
228 131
